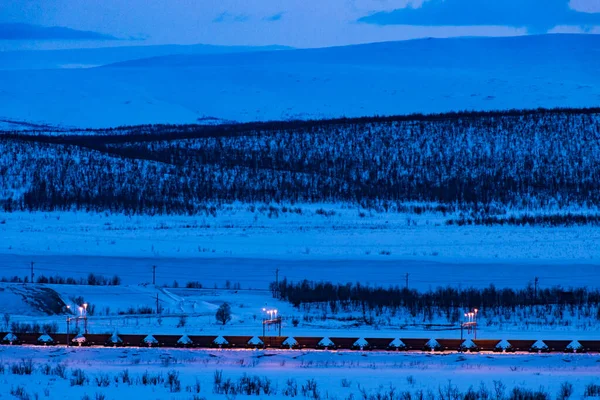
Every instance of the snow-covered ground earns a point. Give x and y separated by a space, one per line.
338 375
241 231
423 76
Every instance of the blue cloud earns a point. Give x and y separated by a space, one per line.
274 17
229 17
537 16
15 31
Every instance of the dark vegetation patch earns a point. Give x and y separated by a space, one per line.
483 164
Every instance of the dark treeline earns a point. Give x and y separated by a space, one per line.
481 163
357 296
91 280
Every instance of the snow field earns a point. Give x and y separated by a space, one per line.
237 232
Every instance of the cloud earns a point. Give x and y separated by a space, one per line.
18 31
229 17
538 16
274 17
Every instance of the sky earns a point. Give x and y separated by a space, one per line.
298 23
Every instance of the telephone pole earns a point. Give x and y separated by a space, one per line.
407 275
32 271
154 274
157 305
535 288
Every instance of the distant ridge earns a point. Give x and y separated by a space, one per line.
426 76
429 52
70 58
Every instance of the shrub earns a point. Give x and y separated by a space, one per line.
565 391
527 394
148 379
102 380
20 393
291 388
46 369
60 370
173 382
125 376
592 390
310 389
182 321
78 377
25 367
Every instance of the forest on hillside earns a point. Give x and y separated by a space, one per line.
479 164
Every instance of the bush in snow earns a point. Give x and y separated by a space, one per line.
182 321
173 382
78 377
346 383
519 393
24 367
152 380
565 391
592 390
291 388
60 370
20 393
310 389
102 380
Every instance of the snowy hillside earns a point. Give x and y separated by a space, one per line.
515 168
87 58
389 78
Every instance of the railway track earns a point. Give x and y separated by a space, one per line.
286 342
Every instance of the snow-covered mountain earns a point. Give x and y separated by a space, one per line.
429 75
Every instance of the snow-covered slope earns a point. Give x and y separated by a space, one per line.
388 78
85 58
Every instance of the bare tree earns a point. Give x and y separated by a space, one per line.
223 314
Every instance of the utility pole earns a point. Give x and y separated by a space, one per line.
157 305
407 275
154 274
535 288
32 271
277 277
